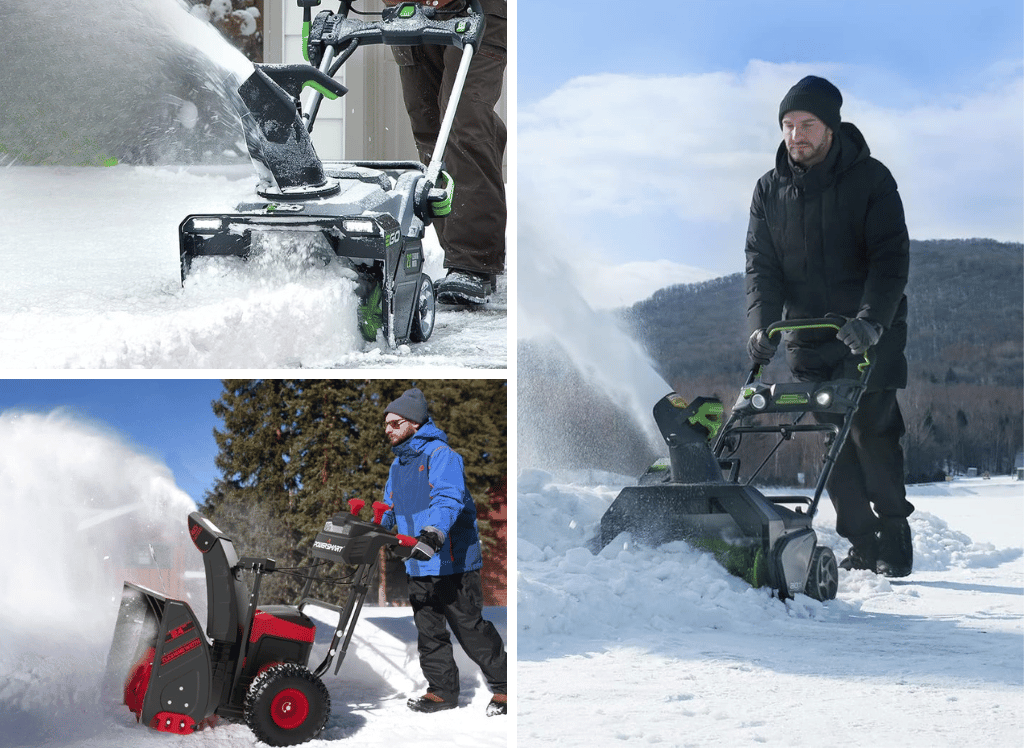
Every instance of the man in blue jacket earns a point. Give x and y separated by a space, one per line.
426 490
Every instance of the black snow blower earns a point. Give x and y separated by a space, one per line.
697 495
252 664
372 214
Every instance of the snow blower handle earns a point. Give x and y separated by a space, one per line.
831 321
379 510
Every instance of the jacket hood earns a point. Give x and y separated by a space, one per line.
418 442
848 149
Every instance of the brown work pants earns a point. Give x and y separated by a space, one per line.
473 234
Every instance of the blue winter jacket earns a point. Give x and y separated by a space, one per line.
427 487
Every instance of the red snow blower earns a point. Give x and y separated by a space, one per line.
252 663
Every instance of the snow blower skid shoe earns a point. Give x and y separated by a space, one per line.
768 541
252 664
372 214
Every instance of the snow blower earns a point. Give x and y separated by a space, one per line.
372 214
696 494
252 664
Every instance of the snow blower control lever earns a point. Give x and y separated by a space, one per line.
253 660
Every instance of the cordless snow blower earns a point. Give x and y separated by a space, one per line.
697 495
252 663
372 214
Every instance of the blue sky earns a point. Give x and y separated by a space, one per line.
934 47
642 128
169 419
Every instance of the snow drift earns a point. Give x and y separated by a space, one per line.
936 659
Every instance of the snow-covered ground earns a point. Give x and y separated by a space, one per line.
91 280
662 647
66 488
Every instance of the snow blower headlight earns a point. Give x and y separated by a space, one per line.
758 401
359 227
205 224
823 398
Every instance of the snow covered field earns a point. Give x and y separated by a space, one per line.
662 647
91 280
64 485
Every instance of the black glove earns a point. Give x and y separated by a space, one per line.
859 334
429 542
761 348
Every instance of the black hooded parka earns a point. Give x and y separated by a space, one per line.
831 239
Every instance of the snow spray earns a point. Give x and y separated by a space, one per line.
79 505
105 83
610 362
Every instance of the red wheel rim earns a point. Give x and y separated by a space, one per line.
289 708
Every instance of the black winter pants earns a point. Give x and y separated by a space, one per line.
869 468
473 234
455 600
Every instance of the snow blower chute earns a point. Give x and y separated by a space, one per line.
696 494
252 663
372 214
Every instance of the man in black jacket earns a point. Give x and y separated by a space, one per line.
827 235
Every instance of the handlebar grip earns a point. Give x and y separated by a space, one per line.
405 540
835 322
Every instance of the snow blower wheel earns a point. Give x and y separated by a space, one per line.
823 578
287 705
423 315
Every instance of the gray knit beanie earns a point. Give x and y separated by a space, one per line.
411 406
817 96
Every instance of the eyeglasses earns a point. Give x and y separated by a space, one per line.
394 424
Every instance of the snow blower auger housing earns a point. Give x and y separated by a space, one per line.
372 214
252 663
696 494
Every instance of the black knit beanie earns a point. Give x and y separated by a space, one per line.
411 406
817 96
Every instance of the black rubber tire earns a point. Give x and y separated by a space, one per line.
287 705
823 577
424 313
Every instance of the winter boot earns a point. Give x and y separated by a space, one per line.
430 702
863 553
464 287
498 705
895 548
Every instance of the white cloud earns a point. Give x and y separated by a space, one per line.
693 146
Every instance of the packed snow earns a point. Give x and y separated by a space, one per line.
639 645
66 488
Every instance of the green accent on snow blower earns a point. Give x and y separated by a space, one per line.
792 399
317 87
443 207
371 314
746 562
305 40
708 415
